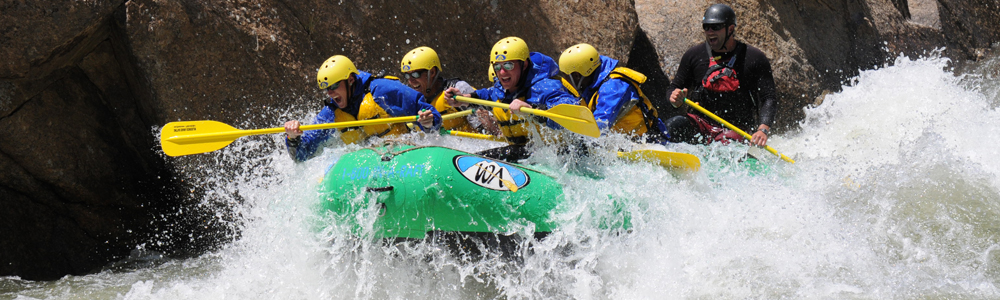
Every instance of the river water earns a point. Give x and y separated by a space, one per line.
895 194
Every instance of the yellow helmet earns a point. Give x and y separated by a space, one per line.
580 58
334 69
420 58
509 48
493 74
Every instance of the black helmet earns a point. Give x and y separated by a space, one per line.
719 14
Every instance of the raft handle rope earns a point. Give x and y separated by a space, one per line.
388 145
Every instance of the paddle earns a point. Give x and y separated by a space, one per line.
193 137
457 114
666 159
574 118
445 117
734 128
473 135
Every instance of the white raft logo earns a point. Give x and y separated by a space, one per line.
490 174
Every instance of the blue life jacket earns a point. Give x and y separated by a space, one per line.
396 99
618 103
540 87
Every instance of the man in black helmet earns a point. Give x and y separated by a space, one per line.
728 78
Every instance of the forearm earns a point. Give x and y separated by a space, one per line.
292 144
424 109
305 146
768 110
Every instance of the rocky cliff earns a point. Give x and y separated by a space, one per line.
85 84
814 46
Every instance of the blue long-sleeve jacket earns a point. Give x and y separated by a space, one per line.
613 94
540 87
392 96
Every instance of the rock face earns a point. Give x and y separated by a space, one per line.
85 84
219 59
817 45
78 179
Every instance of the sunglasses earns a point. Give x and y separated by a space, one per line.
713 27
334 86
508 65
414 74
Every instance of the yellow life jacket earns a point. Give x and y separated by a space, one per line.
460 124
514 127
639 117
367 111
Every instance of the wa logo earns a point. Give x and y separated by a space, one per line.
490 174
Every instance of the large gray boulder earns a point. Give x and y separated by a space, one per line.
815 46
79 181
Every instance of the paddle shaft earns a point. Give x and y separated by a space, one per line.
232 135
533 111
734 128
474 135
457 114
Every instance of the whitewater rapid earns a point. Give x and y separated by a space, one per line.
894 194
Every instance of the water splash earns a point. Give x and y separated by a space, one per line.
895 195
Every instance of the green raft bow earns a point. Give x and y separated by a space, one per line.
418 190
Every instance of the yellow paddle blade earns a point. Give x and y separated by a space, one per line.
193 137
667 159
509 184
574 118
188 137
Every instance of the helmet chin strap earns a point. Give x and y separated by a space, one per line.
726 40
350 90
572 81
432 82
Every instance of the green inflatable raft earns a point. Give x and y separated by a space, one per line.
421 190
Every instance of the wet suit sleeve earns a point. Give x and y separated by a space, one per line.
766 92
611 97
686 75
311 140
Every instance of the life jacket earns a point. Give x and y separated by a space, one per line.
514 127
636 117
367 110
720 77
441 104
539 82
